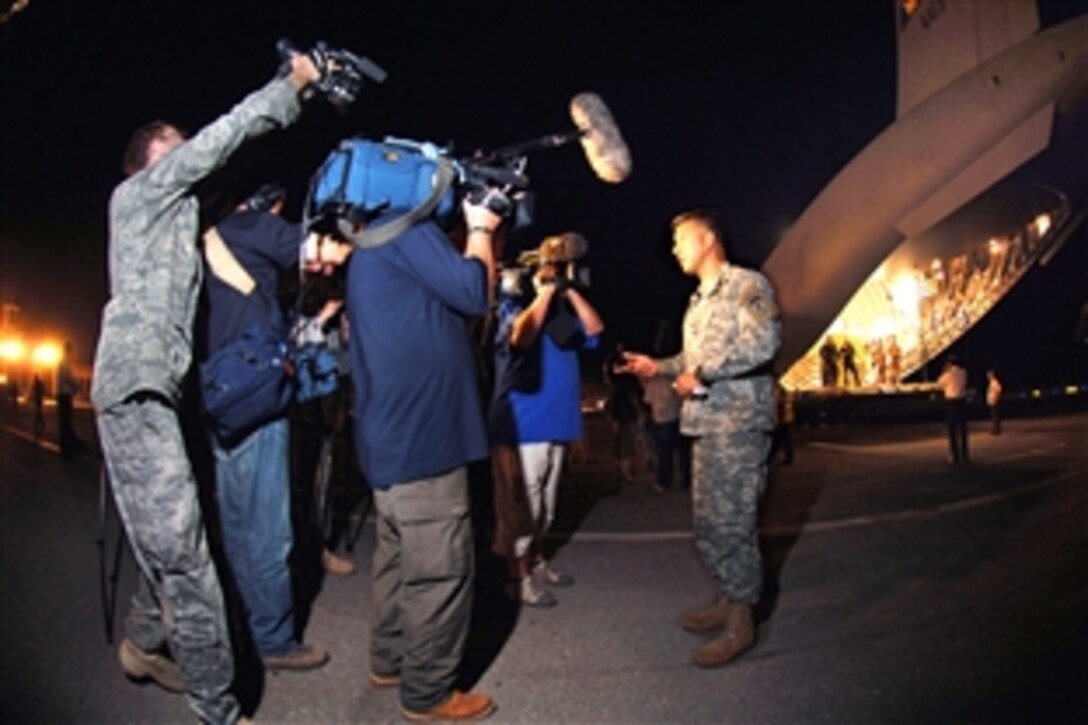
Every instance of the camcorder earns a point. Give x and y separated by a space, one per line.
557 260
343 73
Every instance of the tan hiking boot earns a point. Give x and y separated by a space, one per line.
704 620
141 666
334 564
738 637
458 706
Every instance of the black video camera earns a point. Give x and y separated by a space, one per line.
562 252
343 73
501 183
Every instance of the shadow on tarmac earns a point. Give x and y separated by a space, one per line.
791 502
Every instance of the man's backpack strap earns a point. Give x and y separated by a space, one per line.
224 265
444 174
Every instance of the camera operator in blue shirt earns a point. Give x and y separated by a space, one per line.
536 409
419 423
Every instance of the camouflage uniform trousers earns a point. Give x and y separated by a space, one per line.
729 474
179 601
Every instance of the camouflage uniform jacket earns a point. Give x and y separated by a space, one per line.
731 331
154 263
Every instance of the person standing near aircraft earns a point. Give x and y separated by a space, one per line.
829 363
953 384
993 401
723 374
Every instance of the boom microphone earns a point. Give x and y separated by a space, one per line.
604 147
362 177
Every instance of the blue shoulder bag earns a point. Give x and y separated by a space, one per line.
247 383
250 380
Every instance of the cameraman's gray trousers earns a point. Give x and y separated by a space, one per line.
181 602
422 588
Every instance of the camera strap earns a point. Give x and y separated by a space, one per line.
224 265
444 174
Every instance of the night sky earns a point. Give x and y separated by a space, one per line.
749 107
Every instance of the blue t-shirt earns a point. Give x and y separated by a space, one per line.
417 406
537 390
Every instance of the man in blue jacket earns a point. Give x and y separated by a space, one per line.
419 422
245 253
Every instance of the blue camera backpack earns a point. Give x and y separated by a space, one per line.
403 181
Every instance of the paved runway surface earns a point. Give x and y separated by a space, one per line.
901 589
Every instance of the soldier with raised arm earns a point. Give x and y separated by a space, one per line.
176 631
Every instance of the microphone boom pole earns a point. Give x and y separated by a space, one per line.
604 147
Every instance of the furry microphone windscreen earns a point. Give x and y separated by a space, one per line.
602 142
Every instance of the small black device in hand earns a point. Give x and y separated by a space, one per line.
343 73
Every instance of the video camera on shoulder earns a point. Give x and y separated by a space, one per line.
362 180
397 182
557 260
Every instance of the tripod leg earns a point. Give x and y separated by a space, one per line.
323 485
108 575
363 509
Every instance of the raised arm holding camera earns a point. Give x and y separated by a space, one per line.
143 354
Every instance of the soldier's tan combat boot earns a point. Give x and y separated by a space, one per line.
139 665
704 620
738 637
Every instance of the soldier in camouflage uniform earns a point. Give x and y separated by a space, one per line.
723 374
143 354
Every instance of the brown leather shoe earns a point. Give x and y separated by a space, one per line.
302 657
140 665
738 638
704 620
458 706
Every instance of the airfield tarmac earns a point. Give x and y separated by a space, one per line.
900 589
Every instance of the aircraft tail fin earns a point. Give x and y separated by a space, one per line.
940 40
